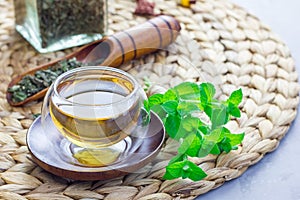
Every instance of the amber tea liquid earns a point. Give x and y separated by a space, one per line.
99 111
100 124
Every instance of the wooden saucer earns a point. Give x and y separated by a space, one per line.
44 144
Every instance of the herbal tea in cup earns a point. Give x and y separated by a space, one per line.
100 112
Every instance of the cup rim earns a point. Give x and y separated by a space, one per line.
100 68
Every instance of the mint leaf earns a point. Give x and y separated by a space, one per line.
145 117
206 148
190 146
186 108
234 110
184 169
225 145
215 150
233 102
174 170
209 141
146 106
187 91
155 99
207 92
172 125
236 97
160 112
178 158
216 135
204 129
180 108
170 107
170 95
190 124
219 115
147 84
235 139
230 140
196 173
168 174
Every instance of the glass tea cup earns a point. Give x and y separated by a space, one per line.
99 112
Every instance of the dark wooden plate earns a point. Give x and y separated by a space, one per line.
45 145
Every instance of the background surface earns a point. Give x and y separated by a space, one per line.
277 175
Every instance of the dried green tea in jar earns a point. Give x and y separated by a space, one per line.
51 25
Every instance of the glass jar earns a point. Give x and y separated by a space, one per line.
50 25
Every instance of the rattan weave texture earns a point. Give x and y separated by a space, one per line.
220 43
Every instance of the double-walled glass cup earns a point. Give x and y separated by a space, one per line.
99 111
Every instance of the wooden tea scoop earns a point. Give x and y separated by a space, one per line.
114 50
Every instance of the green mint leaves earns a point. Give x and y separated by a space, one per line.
180 108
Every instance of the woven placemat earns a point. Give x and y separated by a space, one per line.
219 43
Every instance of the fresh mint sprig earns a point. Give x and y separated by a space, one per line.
179 109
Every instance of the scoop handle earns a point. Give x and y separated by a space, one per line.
145 38
115 50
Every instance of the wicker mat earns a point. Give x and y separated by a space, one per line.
219 43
